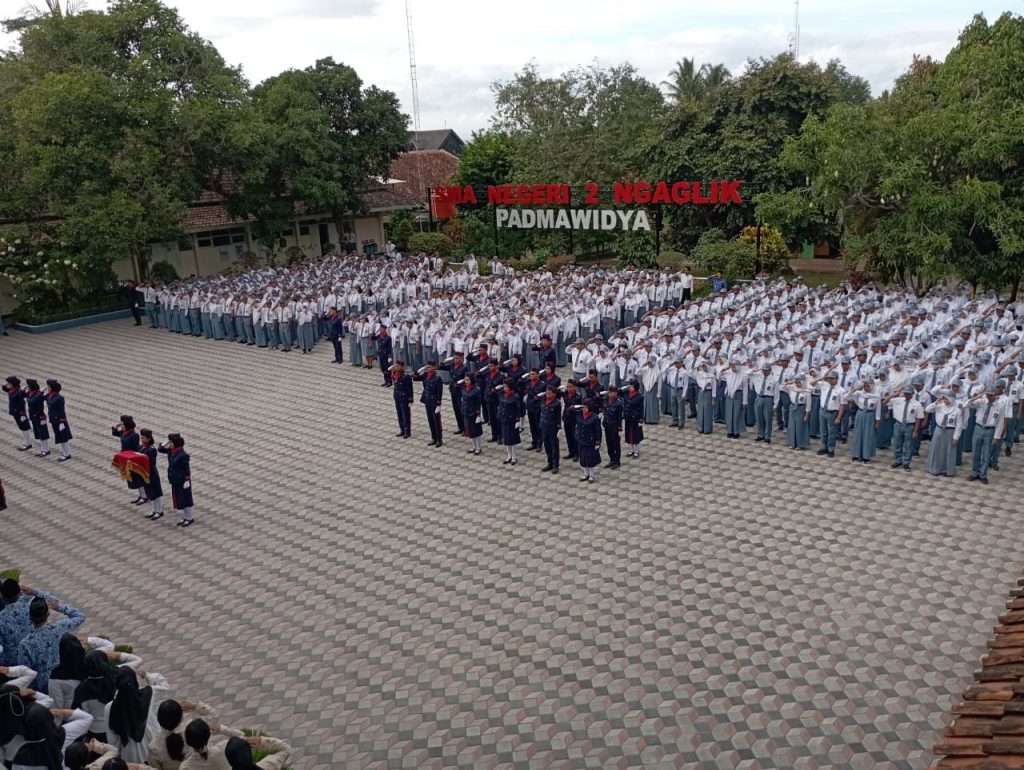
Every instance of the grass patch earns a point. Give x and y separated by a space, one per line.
10 574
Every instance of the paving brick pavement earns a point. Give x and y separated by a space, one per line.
382 604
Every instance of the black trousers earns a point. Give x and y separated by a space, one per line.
570 438
404 417
457 406
492 420
687 294
614 444
434 421
534 419
550 439
338 356
384 364
136 314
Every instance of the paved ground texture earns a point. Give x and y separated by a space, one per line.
382 604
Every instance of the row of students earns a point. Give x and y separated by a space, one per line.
37 412
179 470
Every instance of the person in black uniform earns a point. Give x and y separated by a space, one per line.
588 437
58 419
385 349
336 333
36 403
403 398
515 373
472 417
458 371
510 417
571 399
431 400
634 413
491 386
17 408
154 491
546 351
125 430
548 376
132 294
535 389
612 415
479 361
179 473
592 391
550 424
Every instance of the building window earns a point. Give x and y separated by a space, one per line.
238 236
185 244
201 242
303 230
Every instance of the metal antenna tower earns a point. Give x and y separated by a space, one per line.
794 40
412 68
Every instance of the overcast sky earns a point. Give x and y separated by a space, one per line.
462 46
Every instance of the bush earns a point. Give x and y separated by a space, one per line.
734 258
43 313
327 248
673 260
401 229
556 263
430 243
636 249
775 253
162 272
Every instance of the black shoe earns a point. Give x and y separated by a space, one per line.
457 432
591 480
385 384
545 469
554 471
616 465
758 439
187 523
432 443
767 441
855 459
400 434
1007 451
513 462
831 454
972 477
42 454
470 451
584 479
983 481
896 465
506 461
438 445
566 457
63 459
608 465
822 452
491 440
906 467
407 435
477 451
155 516
24 448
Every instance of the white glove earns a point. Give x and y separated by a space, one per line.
479 420
437 410
186 485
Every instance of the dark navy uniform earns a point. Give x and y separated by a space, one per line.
516 376
634 412
551 380
385 348
16 407
534 395
510 412
478 362
588 437
569 417
129 439
403 398
550 424
36 402
153 489
471 403
179 474
433 389
592 395
612 416
335 333
491 384
547 356
58 418
455 389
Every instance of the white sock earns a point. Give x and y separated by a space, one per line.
44 445
593 473
508 453
187 513
158 505
514 452
26 438
65 449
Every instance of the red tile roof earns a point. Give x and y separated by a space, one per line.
988 730
422 169
207 216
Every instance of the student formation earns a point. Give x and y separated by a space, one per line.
814 369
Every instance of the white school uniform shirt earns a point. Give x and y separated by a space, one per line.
76 726
867 402
835 399
991 415
905 409
766 385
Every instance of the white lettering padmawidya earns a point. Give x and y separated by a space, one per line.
641 222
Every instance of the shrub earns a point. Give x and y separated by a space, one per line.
48 311
163 272
775 254
734 258
327 248
401 229
556 263
673 260
431 243
636 249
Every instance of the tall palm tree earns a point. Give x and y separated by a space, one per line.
684 82
713 76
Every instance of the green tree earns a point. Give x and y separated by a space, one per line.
738 132
486 159
110 124
402 229
318 136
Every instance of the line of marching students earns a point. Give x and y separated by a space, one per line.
518 405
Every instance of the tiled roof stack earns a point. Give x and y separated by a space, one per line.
421 169
988 730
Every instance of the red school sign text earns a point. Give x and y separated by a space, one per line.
717 192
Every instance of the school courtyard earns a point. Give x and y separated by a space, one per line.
378 603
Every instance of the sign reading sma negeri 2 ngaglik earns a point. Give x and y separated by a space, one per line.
549 206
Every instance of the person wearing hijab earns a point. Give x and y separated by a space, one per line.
867 421
167 751
471 404
179 473
633 409
36 403
58 419
43 741
78 755
510 418
95 691
153 490
238 753
69 671
129 724
588 441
